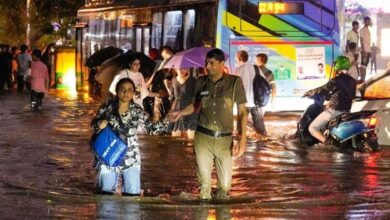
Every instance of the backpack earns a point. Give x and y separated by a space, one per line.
261 89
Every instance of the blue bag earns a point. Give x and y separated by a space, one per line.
109 148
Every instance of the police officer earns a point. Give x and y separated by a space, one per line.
217 92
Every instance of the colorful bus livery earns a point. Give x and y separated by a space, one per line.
301 43
301 38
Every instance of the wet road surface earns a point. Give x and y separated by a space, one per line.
46 172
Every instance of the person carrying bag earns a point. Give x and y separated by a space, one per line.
117 121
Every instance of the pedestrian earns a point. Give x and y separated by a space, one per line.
255 113
39 79
154 55
183 92
14 53
6 68
123 115
217 92
3 67
261 61
48 59
24 63
148 102
365 43
166 54
352 36
132 72
374 52
353 58
341 91
158 82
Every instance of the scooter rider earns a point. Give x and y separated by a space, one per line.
339 91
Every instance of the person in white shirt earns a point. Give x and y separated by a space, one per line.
353 58
23 60
365 43
133 73
255 113
352 36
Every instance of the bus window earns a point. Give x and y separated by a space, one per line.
126 32
95 26
189 27
146 33
156 30
110 31
173 30
138 41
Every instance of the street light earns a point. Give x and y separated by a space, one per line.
28 23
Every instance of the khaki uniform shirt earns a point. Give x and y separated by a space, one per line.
217 101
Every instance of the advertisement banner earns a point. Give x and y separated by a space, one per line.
297 68
310 63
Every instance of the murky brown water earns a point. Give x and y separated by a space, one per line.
46 172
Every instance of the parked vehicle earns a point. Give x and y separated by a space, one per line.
355 131
375 95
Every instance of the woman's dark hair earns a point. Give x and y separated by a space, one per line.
132 59
37 53
123 81
216 54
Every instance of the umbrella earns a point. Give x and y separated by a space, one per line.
147 64
194 57
102 55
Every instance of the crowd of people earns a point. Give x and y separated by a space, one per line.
23 70
183 103
179 102
361 50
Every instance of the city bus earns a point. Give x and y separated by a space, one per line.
301 38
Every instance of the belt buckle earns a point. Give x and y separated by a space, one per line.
217 133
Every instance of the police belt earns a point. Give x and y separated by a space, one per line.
213 133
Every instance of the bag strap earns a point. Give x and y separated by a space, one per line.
257 70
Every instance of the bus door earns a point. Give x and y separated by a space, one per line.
81 69
142 39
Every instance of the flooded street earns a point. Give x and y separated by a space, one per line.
46 172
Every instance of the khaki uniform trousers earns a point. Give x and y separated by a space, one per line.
210 150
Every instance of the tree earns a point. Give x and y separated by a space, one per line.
13 20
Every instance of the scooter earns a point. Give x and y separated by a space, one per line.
348 130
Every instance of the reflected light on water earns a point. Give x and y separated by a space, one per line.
70 93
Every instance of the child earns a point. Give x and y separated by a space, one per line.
39 80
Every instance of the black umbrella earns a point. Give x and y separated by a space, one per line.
147 64
102 55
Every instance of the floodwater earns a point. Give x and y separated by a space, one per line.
46 172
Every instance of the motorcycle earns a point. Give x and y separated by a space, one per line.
348 130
